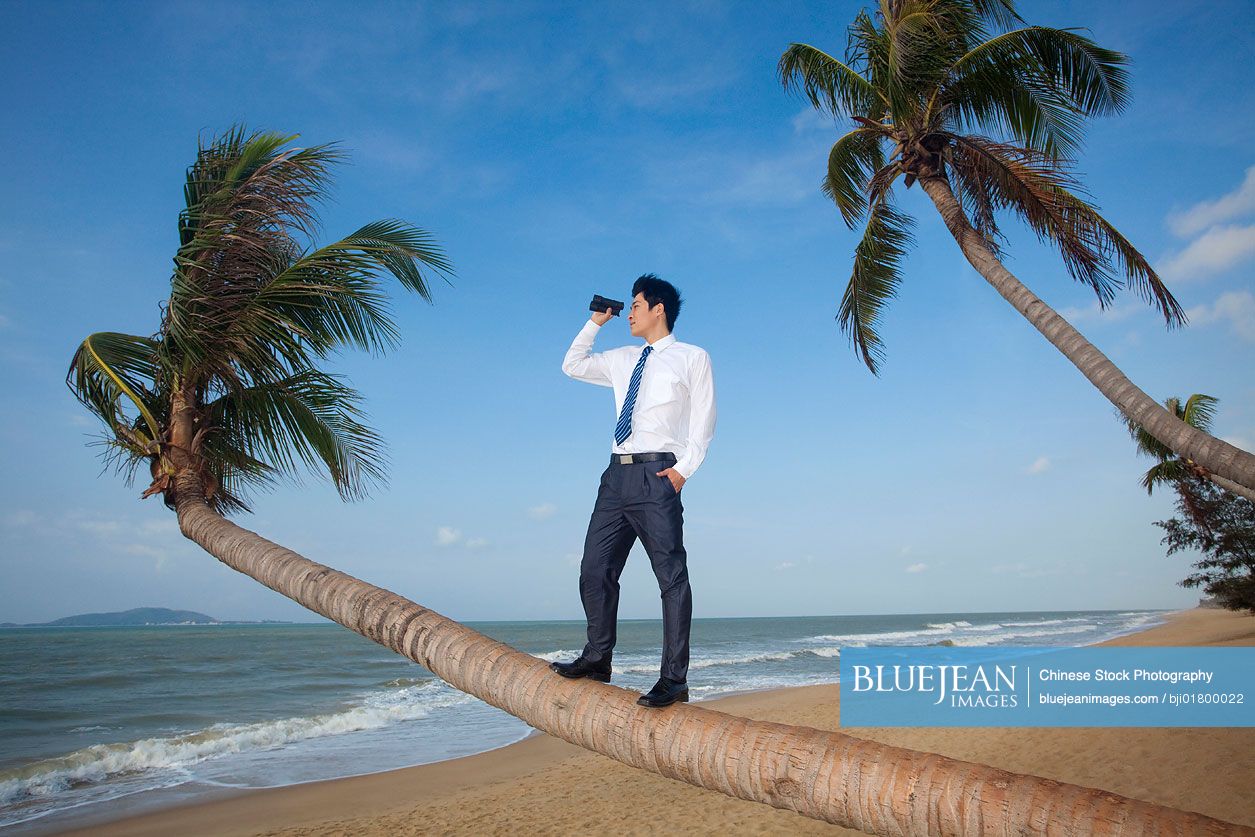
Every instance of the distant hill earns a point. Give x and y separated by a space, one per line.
137 616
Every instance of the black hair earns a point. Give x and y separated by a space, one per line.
658 290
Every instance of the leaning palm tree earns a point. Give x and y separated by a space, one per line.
1197 411
986 114
228 396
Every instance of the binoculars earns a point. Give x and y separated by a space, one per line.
601 303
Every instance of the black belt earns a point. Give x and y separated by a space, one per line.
632 458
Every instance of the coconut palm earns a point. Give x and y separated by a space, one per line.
228 396
1197 411
986 114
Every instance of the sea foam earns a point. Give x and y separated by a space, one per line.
103 761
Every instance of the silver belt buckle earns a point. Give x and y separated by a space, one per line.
625 459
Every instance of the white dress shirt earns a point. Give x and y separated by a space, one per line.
675 404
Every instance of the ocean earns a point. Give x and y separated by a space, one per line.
102 721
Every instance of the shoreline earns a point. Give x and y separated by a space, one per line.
442 795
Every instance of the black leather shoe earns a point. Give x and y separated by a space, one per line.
583 668
665 693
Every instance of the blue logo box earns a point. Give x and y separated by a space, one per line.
1005 686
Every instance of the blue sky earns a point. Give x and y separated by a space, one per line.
557 150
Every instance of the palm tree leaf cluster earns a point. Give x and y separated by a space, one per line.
962 90
1197 411
253 313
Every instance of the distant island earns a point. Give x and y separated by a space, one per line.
129 618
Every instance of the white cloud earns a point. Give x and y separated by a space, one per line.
917 568
1202 215
1040 465
811 119
1237 308
1096 313
393 151
166 526
785 565
1023 570
143 550
785 174
542 512
20 518
785 179
1216 250
667 90
98 527
447 535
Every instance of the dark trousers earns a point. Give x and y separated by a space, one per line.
633 502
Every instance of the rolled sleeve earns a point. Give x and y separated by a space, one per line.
583 365
701 416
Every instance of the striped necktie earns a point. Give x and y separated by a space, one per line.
624 428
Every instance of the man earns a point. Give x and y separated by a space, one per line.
664 396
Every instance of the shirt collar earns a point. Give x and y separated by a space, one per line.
662 343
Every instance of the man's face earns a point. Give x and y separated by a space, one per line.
642 319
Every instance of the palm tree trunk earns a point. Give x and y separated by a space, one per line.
1232 487
1217 456
819 774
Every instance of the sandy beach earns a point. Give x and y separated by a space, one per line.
545 786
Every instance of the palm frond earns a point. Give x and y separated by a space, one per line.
1199 410
1036 85
1039 190
1094 78
1031 115
1062 66
999 12
882 181
309 418
252 311
1032 185
924 37
831 86
401 248
1148 445
247 197
111 373
851 163
874 280
329 298
1165 473
241 178
247 303
1115 248
874 52
234 475
980 201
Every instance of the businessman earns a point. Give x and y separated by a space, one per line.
664 396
